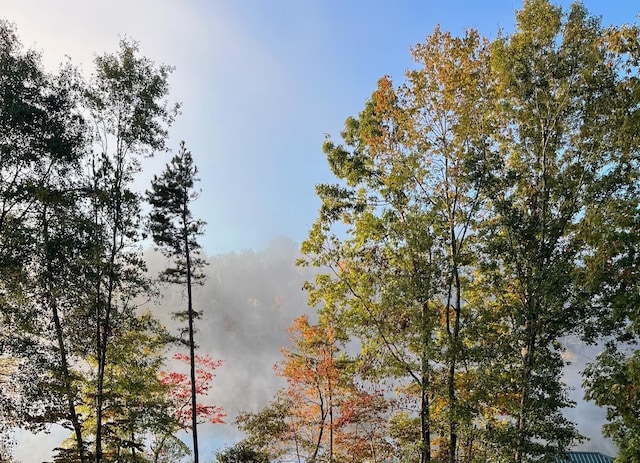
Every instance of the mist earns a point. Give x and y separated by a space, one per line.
248 300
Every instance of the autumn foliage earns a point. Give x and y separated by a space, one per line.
325 413
180 390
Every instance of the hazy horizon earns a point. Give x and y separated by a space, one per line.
249 300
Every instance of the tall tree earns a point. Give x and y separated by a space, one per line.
44 140
451 95
410 202
554 109
175 233
126 102
465 194
63 247
611 272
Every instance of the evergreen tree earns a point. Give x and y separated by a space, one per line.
175 233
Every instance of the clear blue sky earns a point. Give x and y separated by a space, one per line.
262 82
309 65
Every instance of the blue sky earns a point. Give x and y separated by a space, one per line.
261 83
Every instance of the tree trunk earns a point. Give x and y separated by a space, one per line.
453 359
64 366
527 368
425 417
194 416
103 325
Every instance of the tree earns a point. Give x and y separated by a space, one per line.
451 94
410 203
44 141
612 382
467 194
175 233
312 372
269 431
241 453
323 414
180 409
126 102
61 290
136 401
611 267
555 109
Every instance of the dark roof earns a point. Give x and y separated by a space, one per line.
587 457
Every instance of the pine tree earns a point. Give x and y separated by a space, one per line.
175 233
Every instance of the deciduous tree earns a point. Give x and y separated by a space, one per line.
465 193
410 203
324 413
554 109
126 102
43 143
611 266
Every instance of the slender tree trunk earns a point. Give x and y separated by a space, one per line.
158 449
527 369
64 365
103 325
323 417
194 416
68 386
103 342
425 416
296 439
453 359
454 334
330 391
100 385
133 439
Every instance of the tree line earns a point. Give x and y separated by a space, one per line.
77 347
484 209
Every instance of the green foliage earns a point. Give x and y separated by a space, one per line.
126 101
40 156
241 453
482 210
268 430
613 382
490 207
128 96
69 267
171 223
175 233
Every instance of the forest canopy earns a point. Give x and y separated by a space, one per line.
483 210
485 206
77 346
